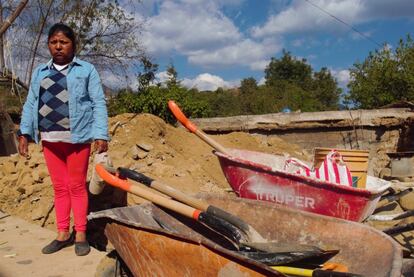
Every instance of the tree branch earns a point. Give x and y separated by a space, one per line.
8 22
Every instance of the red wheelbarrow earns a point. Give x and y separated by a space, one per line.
260 176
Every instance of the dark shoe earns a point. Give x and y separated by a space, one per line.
82 248
56 245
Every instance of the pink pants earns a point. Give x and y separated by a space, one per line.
68 166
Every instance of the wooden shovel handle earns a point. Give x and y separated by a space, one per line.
193 128
145 193
164 188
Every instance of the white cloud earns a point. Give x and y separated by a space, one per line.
189 26
161 77
301 16
262 81
207 81
374 9
342 76
201 32
248 52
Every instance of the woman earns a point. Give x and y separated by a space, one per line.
66 110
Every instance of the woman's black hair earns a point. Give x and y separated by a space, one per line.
66 30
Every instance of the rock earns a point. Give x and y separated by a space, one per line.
14 157
139 166
34 200
145 146
36 188
22 164
407 201
21 190
26 180
134 152
10 180
37 214
138 152
29 190
35 176
142 154
385 173
47 184
43 172
160 157
150 162
8 167
21 175
179 174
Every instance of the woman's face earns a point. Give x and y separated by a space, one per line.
61 48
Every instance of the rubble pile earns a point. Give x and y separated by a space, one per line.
142 142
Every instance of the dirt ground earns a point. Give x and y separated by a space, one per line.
145 143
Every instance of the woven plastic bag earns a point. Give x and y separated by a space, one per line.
96 184
333 169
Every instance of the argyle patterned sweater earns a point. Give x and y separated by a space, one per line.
53 102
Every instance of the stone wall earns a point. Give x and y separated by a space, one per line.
379 131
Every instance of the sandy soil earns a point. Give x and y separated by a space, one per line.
172 155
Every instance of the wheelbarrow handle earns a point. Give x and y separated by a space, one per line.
193 128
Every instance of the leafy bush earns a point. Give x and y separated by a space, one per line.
155 99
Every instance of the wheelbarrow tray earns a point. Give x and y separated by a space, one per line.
155 242
260 176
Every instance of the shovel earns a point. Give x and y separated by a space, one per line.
249 231
251 238
193 128
220 226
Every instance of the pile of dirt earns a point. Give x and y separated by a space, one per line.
141 142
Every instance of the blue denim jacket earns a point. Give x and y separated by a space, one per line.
87 107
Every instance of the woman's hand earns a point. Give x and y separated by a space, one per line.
23 146
101 145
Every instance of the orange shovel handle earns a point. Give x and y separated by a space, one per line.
193 128
112 179
181 116
148 194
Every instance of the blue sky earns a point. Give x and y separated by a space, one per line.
219 42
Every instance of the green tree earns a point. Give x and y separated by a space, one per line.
147 75
297 86
384 77
289 69
248 85
172 74
326 90
106 33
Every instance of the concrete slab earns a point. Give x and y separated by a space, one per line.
20 252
